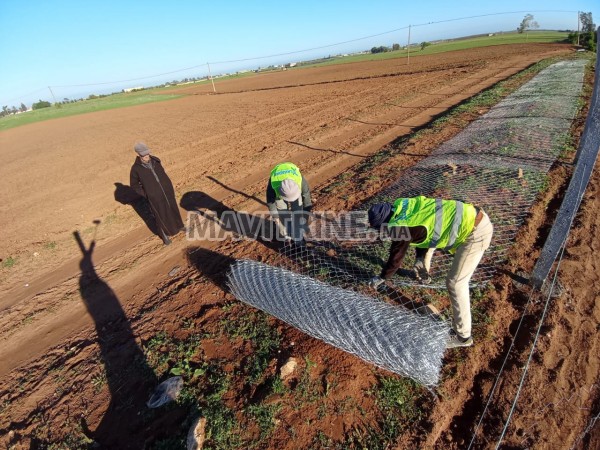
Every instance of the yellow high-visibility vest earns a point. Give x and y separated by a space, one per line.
448 222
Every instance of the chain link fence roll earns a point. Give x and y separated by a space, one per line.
391 337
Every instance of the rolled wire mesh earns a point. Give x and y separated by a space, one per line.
404 342
499 162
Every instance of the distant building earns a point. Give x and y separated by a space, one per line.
133 89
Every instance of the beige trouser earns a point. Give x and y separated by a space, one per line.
465 262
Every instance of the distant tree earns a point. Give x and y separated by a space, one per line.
588 31
587 36
527 24
395 47
380 49
425 44
587 24
41 104
23 107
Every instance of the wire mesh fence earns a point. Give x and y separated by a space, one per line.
586 157
408 343
499 162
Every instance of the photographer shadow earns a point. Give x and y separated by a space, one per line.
128 375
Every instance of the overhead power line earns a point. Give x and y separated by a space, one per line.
255 58
240 60
492 14
25 95
313 48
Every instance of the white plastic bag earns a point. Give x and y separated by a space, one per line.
165 392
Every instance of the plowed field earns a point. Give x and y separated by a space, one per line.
77 330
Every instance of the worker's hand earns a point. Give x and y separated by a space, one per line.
421 273
375 282
309 218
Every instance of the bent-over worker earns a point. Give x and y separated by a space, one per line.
288 195
427 223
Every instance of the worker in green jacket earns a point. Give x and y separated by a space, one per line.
288 200
427 223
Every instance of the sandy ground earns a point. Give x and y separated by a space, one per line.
59 176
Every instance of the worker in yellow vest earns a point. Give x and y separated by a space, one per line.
288 198
427 223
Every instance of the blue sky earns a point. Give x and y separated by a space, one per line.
64 44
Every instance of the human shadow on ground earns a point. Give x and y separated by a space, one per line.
210 219
128 375
327 150
126 195
236 191
198 201
212 265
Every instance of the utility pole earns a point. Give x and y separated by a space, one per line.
408 48
52 93
211 79
578 28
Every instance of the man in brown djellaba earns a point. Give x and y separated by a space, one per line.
149 179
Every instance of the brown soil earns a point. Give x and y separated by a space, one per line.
69 340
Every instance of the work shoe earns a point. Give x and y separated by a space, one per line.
454 341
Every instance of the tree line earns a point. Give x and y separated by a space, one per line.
12 110
395 47
586 37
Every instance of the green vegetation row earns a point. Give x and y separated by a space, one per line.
207 387
56 111
431 48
